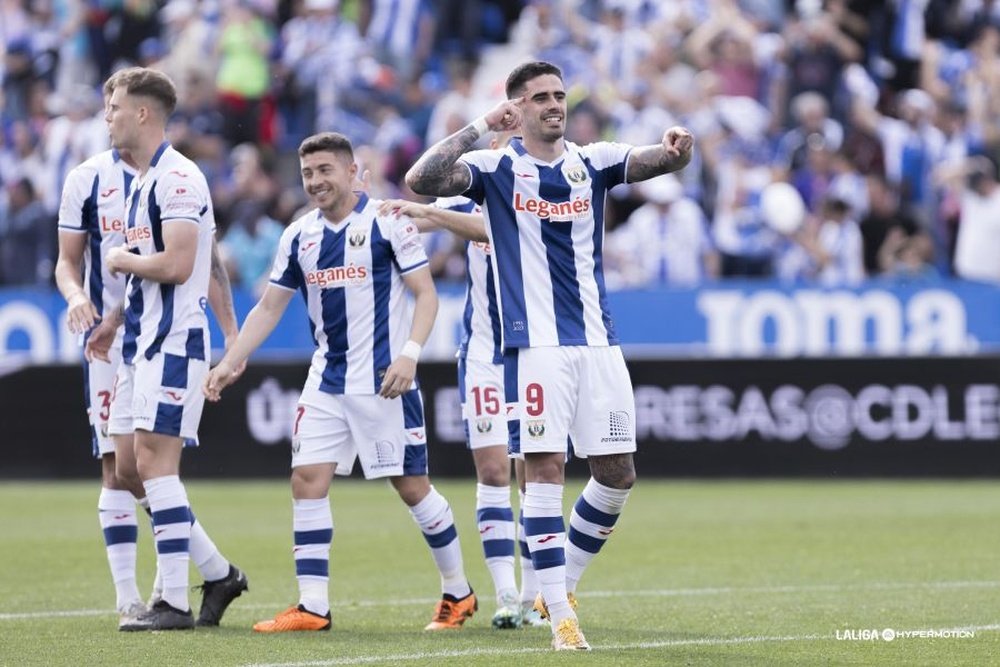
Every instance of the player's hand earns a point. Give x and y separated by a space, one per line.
414 211
242 366
678 142
218 379
505 116
81 316
115 259
398 377
99 341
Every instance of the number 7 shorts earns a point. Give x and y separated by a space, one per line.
386 434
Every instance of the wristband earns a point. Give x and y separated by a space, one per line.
480 126
411 349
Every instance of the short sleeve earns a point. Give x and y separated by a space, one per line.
458 204
181 197
406 245
609 158
81 185
286 271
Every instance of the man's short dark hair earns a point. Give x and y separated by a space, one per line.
142 81
522 74
333 142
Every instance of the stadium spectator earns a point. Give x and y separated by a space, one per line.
813 125
889 234
360 400
251 233
978 238
243 78
27 244
664 243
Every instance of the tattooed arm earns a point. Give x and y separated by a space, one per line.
438 172
672 155
220 298
220 295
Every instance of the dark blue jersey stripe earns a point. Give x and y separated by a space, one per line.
334 307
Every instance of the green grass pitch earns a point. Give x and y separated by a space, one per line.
697 573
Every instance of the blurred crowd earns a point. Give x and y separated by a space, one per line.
883 115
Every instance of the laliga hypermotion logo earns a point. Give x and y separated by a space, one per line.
337 276
536 428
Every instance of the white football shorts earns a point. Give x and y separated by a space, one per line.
161 395
99 385
577 392
386 435
484 407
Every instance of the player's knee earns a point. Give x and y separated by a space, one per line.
615 471
411 488
494 473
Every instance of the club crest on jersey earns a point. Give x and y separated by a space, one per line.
357 239
536 428
484 425
575 174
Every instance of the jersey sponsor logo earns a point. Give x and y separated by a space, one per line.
385 455
619 427
179 173
112 225
575 174
536 428
136 235
308 245
357 239
485 248
107 193
337 276
524 175
567 210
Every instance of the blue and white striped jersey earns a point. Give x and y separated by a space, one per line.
160 317
546 227
93 202
481 316
350 274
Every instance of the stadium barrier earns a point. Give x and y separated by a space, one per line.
723 319
853 417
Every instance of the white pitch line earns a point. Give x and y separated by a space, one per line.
668 592
705 641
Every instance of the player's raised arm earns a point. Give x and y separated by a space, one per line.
673 154
438 171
